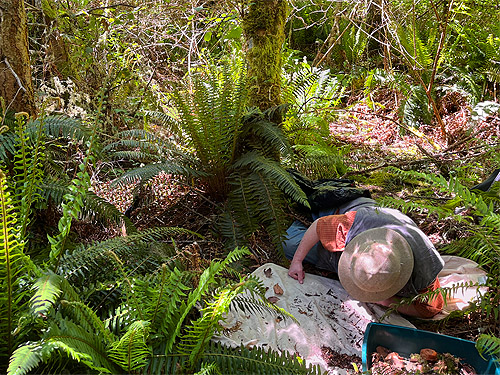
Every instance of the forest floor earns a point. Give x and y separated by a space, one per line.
376 142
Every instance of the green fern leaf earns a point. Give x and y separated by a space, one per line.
207 279
132 352
208 369
488 344
14 266
256 361
79 344
275 173
8 143
97 262
59 127
96 207
47 291
151 170
24 359
87 319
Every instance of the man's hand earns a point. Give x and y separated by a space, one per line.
296 271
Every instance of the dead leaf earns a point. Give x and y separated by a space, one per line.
429 355
273 299
268 272
278 290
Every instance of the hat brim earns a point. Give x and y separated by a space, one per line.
382 235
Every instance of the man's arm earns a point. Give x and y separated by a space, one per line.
308 241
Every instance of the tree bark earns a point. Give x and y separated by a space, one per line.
59 62
16 87
264 30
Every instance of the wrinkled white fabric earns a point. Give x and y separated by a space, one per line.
459 271
326 316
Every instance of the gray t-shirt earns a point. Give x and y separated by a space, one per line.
427 261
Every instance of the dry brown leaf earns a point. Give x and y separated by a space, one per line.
278 290
268 272
273 299
429 355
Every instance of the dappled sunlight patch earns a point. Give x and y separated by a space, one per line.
381 129
162 190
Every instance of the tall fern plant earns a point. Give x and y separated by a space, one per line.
230 150
312 95
32 152
15 272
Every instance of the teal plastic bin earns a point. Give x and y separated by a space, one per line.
406 341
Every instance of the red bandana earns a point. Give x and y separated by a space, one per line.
332 230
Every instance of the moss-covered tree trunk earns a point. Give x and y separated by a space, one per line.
264 30
16 87
59 63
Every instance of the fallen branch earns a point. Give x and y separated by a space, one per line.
14 74
385 165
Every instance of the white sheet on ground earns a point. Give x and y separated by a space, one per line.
326 315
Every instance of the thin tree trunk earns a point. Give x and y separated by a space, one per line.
16 87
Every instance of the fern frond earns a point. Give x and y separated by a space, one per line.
253 306
152 170
487 344
138 156
79 344
24 359
54 189
98 261
209 369
96 207
321 161
275 173
87 319
28 172
414 110
167 292
13 268
239 206
166 364
256 361
482 247
47 291
131 352
269 208
420 207
170 119
207 279
252 299
198 334
144 144
268 134
60 127
8 143
234 232
254 201
416 51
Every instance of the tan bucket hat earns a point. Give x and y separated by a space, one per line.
375 265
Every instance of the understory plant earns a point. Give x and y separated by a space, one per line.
123 305
233 152
161 322
312 96
34 152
